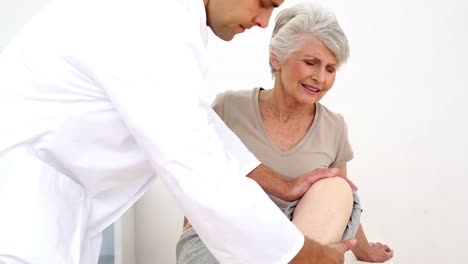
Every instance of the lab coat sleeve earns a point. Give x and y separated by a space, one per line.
152 77
234 149
230 140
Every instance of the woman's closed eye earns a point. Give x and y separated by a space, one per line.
331 69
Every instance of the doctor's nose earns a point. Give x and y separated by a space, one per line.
263 17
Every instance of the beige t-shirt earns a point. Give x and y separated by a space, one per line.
325 145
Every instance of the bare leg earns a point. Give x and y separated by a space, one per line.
324 211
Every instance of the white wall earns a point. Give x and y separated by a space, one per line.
403 94
158 226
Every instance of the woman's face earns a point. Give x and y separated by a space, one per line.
307 74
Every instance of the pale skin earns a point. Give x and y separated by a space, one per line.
328 203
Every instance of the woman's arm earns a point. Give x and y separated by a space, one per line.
365 251
370 252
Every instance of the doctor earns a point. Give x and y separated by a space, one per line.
97 97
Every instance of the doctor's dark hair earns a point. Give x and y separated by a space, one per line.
291 23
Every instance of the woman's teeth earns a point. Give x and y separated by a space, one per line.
310 88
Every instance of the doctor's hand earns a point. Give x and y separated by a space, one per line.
314 252
297 187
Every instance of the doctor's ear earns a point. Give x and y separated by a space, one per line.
274 62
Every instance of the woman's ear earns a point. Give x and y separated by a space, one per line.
274 62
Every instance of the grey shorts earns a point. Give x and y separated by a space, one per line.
191 250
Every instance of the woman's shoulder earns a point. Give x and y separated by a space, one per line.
329 117
236 97
239 94
234 102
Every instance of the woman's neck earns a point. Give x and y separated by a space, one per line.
284 107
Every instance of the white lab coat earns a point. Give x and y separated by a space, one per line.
96 98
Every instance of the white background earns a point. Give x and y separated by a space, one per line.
404 94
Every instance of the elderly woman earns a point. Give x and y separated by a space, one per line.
291 132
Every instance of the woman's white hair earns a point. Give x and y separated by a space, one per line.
291 23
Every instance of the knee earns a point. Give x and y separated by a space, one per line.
330 198
332 182
334 186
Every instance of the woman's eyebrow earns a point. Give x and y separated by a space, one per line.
311 57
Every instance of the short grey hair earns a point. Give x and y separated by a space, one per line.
302 18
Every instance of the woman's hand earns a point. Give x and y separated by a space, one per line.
376 253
